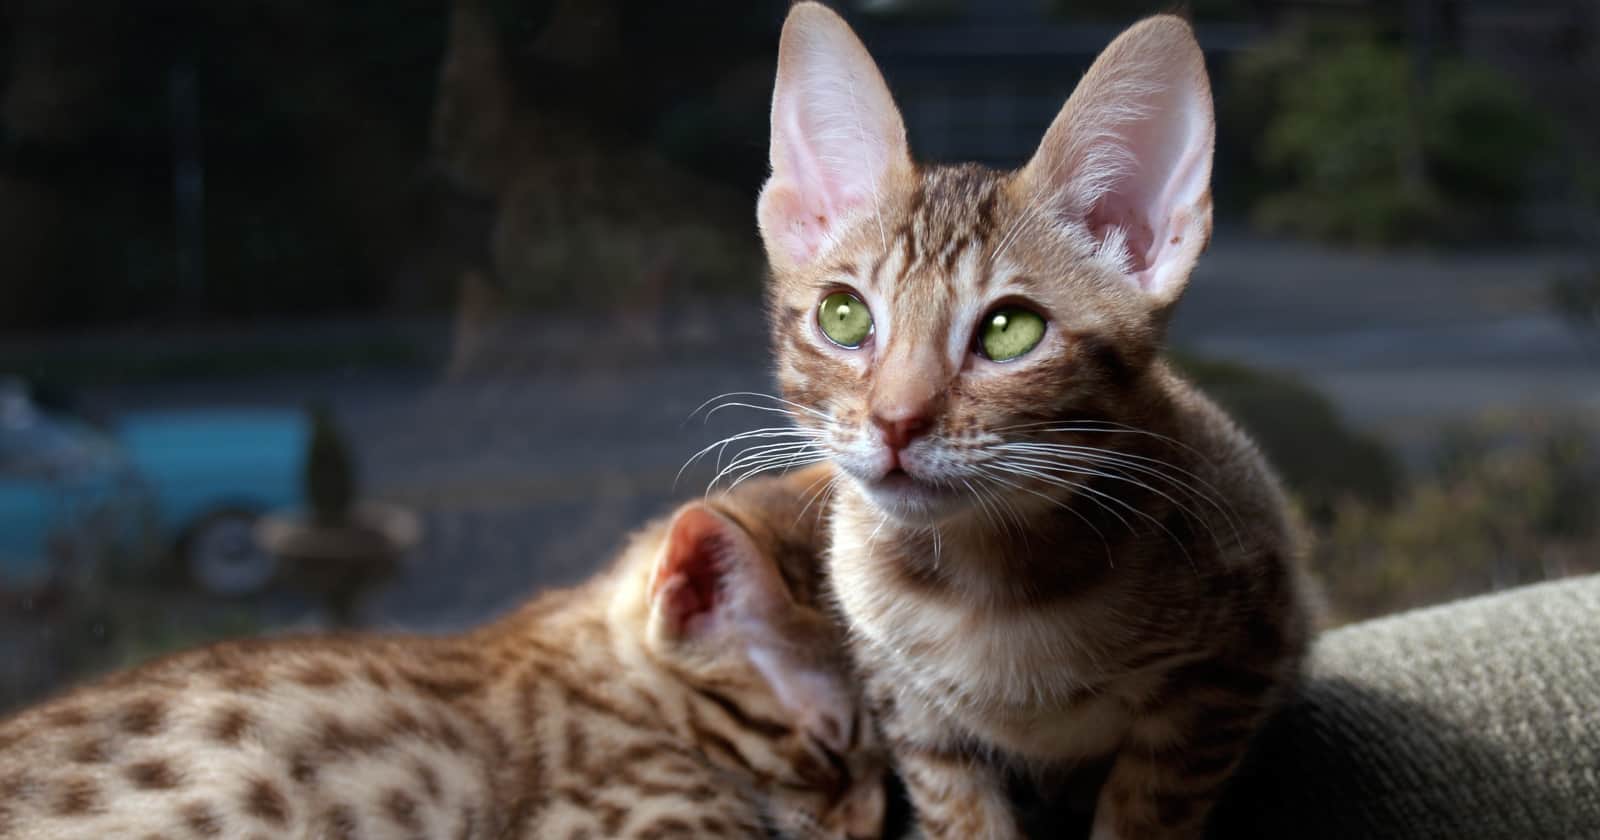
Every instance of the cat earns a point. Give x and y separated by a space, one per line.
695 689
1051 552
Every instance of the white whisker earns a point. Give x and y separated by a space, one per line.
1099 497
780 400
1098 427
828 483
1095 495
1152 467
763 458
1110 558
769 432
1090 472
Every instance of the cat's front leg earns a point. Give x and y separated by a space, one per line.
1172 766
955 794
956 797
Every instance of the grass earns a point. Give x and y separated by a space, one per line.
51 646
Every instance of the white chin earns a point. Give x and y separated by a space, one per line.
910 500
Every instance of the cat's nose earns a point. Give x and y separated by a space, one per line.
908 391
899 431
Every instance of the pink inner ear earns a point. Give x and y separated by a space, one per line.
1116 212
688 582
1129 156
684 605
1166 170
703 573
799 228
836 134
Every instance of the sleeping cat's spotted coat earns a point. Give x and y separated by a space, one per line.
691 691
1051 551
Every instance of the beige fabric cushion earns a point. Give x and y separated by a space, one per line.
1478 719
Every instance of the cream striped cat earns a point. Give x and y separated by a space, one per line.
693 690
1053 554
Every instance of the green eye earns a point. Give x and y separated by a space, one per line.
1010 332
844 319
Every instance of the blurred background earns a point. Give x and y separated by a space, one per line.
389 313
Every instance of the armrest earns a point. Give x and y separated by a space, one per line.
1475 719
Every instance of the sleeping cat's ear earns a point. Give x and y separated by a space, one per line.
707 573
714 593
836 136
1128 160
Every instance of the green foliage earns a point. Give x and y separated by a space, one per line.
621 228
1577 298
113 625
330 479
1480 133
595 262
912 9
1353 148
1124 10
1505 501
1576 295
1505 505
1322 460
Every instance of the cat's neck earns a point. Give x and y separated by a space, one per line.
987 562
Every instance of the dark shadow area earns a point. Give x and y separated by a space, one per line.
1344 760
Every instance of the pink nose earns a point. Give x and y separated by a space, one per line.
898 434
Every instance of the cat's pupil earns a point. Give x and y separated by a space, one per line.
1000 322
844 311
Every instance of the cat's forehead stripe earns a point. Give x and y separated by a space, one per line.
950 211
928 265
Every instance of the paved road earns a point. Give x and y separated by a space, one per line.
532 474
1402 342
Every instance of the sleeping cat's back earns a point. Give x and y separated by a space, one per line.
484 735
280 738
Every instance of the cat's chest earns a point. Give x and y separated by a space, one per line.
1028 680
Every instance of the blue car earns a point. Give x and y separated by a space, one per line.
77 499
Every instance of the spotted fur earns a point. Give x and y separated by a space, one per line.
586 714
1073 560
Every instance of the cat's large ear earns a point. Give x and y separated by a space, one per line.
836 136
1128 160
713 591
708 574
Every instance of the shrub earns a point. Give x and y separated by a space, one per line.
1577 298
1504 500
1348 152
1576 295
1322 461
1124 10
1504 505
597 228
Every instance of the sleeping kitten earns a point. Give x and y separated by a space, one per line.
1051 551
692 690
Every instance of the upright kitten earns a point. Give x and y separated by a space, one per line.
1051 551
692 690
